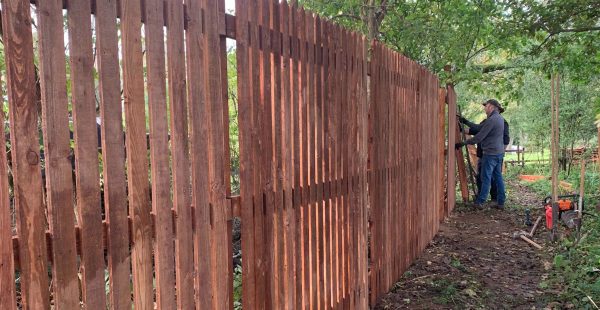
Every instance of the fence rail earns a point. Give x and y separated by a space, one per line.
341 158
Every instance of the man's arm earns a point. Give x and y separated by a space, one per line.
484 131
467 122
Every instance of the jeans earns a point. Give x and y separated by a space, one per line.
493 188
491 172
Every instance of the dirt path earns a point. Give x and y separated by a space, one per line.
474 263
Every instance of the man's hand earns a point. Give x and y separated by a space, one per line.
458 145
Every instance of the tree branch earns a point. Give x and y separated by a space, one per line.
577 30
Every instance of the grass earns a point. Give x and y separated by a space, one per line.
575 272
533 155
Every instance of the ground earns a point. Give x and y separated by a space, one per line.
474 262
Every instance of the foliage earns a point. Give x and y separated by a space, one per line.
237 287
482 37
528 110
234 145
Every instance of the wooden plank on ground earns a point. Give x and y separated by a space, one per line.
7 273
86 154
138 188
246 154
25 152
198 115
216 153
113 155
164 259
55 124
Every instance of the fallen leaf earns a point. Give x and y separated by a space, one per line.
470 292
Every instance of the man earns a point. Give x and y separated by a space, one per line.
473 129
490 138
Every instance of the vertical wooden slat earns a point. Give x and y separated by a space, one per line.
113 155
311 136
279 164
199 142
363 153
59 187
267 157
159 154
86 155
260 275
295 155
327 97
226 150
246 152
318 115
184 245
303 120
451 156
136 150
334 157
216 153
7 272
287 149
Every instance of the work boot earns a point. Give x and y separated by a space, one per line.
474 205
497 206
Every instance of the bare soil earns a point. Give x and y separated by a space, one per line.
475 263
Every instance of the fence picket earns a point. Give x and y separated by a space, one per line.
113 155
198 111
86 155
159 154
7 274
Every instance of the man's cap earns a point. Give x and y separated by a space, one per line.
495 103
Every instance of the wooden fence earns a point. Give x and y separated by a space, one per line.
341 159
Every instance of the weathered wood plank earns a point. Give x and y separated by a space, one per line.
113 155
311 148
217 188
336 161
86 155
199 143
303 98
55 125
451 159
259 211
327 97
267 157
7 272
246 154
164 251
138 188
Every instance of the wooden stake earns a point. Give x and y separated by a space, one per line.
555 80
